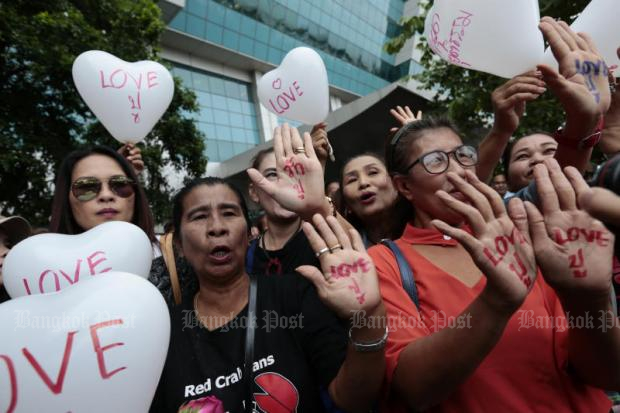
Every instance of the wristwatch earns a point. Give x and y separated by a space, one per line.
371 346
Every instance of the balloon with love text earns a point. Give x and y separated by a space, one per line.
51 262
98 346
500 37
127 98
297 89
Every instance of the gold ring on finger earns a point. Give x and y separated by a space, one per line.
321 252
299 149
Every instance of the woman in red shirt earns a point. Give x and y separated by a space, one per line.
513 310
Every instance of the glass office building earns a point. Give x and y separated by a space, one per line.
253 36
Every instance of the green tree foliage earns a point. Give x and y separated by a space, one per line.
43 118
466 94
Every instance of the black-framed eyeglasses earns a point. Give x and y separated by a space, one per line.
87 188
437 162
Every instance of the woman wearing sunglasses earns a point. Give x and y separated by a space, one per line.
98 185
470 340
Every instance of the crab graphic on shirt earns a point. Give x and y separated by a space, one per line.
279 394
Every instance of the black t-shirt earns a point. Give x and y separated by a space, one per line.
4 295
299 348
295 253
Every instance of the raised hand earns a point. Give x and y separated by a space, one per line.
582 84
299 187
499 243
404 116
509 100
573 250
133 154
348 282
320 143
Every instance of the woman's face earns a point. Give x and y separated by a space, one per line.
419 186
526 153
106 205
214 233
366 186
273 210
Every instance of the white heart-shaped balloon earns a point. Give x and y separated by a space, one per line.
51 262
128 98
500 37
98 346
600 20
298 88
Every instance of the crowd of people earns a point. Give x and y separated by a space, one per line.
402 286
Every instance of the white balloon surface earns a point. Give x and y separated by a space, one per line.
128 98
500 37
297 89
600 20
99 347
51 262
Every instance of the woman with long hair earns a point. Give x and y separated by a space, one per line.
98 185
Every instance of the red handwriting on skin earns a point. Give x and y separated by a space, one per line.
502 243
589 235
577 262
293 168
119 78
285 99
359 294
92 261
300 189
344 270
56 386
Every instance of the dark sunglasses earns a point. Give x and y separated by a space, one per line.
437 162
87 188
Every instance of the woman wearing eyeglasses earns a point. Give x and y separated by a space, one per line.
471 340
98 185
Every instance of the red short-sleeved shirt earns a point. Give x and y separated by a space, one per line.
525 371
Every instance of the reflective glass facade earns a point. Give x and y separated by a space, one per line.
348 34
227 112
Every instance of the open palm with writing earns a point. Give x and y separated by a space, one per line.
347 281
582 84
498 244
573 250
299 187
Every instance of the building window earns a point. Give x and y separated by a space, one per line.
227 112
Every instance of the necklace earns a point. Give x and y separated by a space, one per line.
262 239
275 261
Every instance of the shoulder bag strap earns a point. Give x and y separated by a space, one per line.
249 344
249 256
406 273
168 254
